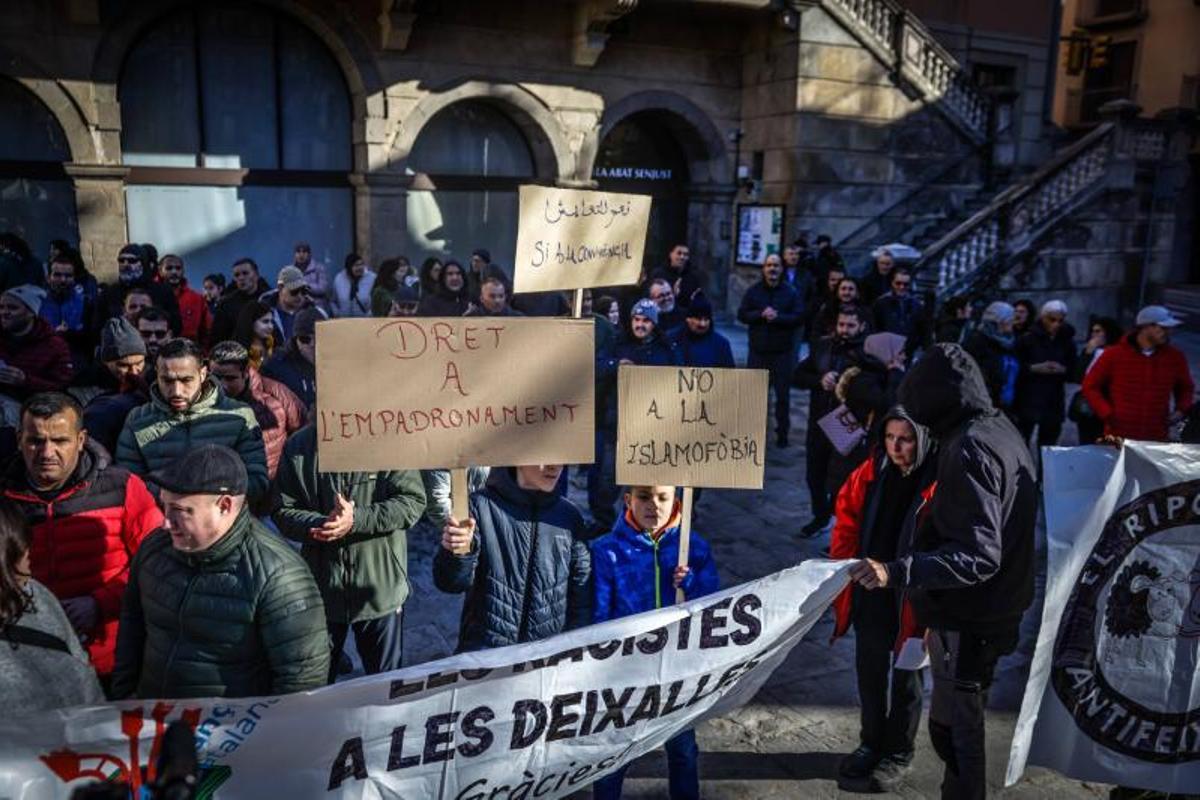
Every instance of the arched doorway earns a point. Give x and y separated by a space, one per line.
236 127
466 165
37 199
641 155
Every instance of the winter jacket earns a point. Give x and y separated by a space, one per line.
1131 392
35 679
634 571
855 515
831 354
42 355
443 303
279 414
779 334
1042 398
995 353
972 563
230 306
528 575
873 285
111 300
316 277
710 350
294 371
541 304
70 310
358 305
154 435
655 350
240 619
195 320
105 414
903 315
85 536
364 574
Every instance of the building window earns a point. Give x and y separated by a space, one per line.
1112 81
467 163
37 199
233 118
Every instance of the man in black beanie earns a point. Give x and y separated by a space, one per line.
123 356
698 341
296 365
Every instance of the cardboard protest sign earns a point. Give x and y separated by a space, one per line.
572 239
685 426
409 393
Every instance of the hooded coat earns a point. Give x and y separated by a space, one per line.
857 509
528 575
444 302
972 564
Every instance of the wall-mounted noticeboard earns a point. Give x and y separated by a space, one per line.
759 232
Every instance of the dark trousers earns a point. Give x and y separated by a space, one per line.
379 641
602 481
817 454
1047 434
1090 429
683 773
780 366
889 720
962 665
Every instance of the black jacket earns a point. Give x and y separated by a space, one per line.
831 354
997 359
528 575
778 335
230 306
972 563
1042 398
903 315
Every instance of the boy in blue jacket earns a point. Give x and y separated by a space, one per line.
635 570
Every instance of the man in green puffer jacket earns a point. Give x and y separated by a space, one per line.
217 605
186 410
353 530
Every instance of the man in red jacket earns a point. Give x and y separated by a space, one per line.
33 358
88 518
195 320
1131 386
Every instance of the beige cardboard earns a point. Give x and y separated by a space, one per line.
408 393
686 426
575 238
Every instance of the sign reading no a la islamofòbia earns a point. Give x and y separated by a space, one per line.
686 426
428 393
573 239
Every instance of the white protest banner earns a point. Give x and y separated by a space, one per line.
576 238
683 426
533 720
1114 688
409 393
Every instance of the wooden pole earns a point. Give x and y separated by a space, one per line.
459 491
685 535
577 305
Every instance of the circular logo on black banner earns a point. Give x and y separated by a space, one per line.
1127 658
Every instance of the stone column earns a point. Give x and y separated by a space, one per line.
100 207
380 214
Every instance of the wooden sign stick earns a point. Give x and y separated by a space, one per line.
685 535
460 509
577 305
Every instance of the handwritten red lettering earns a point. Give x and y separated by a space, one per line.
442 333
452 376
407 332
496 331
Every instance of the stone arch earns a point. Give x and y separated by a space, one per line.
65 109
552 156
702 142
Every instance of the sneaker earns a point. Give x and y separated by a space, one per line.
815 526
891 771
858 764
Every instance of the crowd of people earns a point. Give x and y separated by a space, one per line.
166 530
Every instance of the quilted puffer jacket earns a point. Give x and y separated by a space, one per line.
528 575
240 619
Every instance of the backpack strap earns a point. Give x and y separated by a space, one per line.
20 634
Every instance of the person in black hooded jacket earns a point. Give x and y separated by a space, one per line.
522 559
450 299
970 573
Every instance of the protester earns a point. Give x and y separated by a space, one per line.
352 527
295 366
187 409
772 309
352 288
480 270
388 279
879 510
449 299
609 308
246 288
1024 313
970 573
66 306
680 275
993 346
42 665
291 296
195 319
670 317
1047 358
122 355
493 300
819 373
137 300
279 412
154 326
899 312
845 294
1132 385
315 276
430 275
952 320
33 358
698 342
134 271
827 257
878 280
636 569
214 285
217 605
798 273
255 330
404 302
521 558
1102 332
88 518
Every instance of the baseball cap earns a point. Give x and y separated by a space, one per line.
291 278
1156 315
207 469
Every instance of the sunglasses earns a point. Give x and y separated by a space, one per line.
155 334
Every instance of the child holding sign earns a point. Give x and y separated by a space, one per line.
635 570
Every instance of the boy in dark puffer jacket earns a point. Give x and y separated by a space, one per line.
522 559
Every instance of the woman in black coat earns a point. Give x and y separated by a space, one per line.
1047 358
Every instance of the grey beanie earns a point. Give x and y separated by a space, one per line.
119 339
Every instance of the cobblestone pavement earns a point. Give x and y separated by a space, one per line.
787 741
